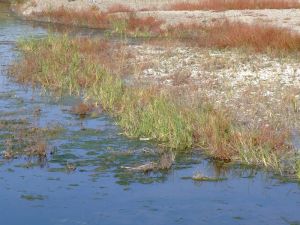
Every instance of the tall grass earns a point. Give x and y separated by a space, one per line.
65 65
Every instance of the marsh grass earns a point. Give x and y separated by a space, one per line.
222 5
152 112
117 19
220 34
223 34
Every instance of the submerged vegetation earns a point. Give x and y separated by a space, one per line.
151 112
22 139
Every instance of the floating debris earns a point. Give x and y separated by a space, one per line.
144 139
37 112
147 167
165 163
200 177
70 167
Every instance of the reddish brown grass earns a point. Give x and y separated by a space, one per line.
146 24
91 17
94 18
226 34
219 34
119 8
221 5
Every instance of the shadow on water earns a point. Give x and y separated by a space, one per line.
80 175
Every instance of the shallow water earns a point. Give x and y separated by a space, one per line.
99 191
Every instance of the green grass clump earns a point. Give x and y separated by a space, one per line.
158 119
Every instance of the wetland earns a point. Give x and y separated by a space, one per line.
67 162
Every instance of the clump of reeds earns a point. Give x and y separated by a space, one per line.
221 5
148 112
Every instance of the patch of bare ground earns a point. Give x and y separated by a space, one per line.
260 90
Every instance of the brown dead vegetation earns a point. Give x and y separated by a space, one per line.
147 24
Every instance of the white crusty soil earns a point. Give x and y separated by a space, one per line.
256 88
